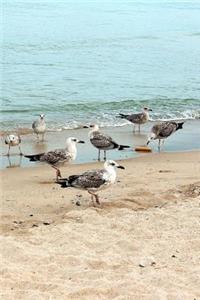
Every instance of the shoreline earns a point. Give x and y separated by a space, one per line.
186 139
29 131
140 156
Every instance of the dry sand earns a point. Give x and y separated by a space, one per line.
142 243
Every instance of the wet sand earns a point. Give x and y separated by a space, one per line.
142 243
183 140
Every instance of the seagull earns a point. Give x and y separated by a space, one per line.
39 127
139 118
58 157
103 141
13 140
163 130
94 180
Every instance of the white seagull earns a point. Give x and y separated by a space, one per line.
163 130
13 140
94 180
58 157
138 118
39 127
103 141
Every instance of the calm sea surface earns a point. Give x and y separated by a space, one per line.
81 61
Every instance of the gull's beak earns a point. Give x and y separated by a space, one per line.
121 167
148 142
86 126
81 142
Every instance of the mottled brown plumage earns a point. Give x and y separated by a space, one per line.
103 141
137 118
163 130
93 180
58 157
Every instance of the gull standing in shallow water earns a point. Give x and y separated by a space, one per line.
39 127
139 118
103 141
163 130
93 180
58 157
13 140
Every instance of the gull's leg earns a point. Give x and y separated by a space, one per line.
9 161
159 145
163 141
133 127
104 155
58 173
20 151
99 158
92 198
8 154
96 197
139 127
38 139
20 160
42 137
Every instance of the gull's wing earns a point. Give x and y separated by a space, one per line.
136 118
53 157
87 180
101 140
164 129
35 124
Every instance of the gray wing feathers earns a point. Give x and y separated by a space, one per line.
53 157
137 118
89 179
102 141
35 124
164 129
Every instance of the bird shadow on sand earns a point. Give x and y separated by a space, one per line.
52 181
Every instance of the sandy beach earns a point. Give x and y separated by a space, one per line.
126 66
142 243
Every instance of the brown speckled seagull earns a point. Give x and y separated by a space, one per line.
138 118
103 141
58 157
94 180
39 127
163 130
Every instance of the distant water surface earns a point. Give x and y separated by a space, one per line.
85 61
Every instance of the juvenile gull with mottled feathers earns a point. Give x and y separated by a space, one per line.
102 141
93 180
39 127
58 157
137 118
163 130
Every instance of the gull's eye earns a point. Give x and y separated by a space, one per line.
112 164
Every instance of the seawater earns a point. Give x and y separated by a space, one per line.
86 61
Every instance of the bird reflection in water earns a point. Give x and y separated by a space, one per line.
14 161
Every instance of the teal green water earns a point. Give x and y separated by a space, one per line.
85 61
